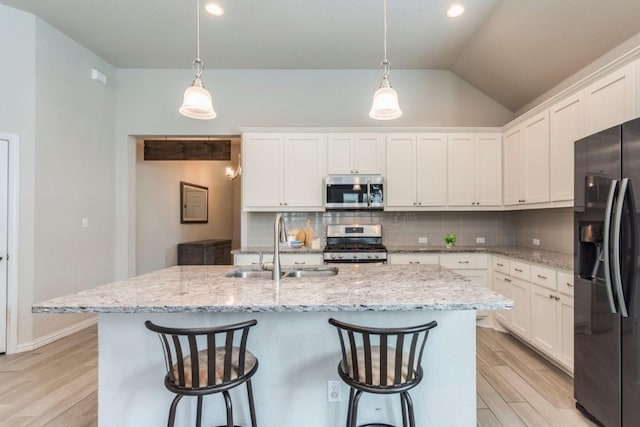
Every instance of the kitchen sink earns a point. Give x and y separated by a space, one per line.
313 272
247 273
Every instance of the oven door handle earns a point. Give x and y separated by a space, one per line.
369 193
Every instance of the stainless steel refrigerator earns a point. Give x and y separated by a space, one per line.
607 305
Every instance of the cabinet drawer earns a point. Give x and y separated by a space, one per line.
519 270
300 259
543 277
464 261
565 283
413 259
501 265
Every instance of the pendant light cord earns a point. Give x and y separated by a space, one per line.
198 66
385 66
385 30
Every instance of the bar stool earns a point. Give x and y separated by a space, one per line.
217 360
381 361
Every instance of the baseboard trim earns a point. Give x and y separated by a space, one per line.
56 335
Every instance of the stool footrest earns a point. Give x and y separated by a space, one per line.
376 425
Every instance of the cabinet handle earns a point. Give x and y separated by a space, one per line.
518 270
357 172
419 203
500 265
551 296
463 262
542 277
507 280
569 285
414 262
414 203
299 262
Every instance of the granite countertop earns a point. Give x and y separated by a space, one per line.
548 258
377 287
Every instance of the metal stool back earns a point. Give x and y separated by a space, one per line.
381 361
202 361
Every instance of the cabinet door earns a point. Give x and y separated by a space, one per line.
400 185
566 125
368 153
339 154
431 169
611 100
536 138
303 170
544 319
461 165
478 276
502 285
488 167
565 328
414 258
521 320
262 172
514 167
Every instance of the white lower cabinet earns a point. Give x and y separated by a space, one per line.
413 258
521 317
542 314
289 259
472 266
502 285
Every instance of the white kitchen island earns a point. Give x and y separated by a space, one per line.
297 349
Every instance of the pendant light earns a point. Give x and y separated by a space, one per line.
385 99
197 103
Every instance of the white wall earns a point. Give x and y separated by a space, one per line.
66 125
74 172
158 228
17 115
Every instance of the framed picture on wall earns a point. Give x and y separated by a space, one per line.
194 203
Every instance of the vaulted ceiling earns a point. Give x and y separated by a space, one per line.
512 50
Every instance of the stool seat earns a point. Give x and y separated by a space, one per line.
381 361
203 361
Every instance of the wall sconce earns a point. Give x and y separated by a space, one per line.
232 173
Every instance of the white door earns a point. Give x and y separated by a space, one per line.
4 207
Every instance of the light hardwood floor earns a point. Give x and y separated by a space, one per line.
57 385
517 387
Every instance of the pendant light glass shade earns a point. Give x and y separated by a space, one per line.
385 100
197 102
385 103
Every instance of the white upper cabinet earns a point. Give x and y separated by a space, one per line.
283 172
416 170
474 170
356 153
611 100
537 158
566 125
514 164
526 174
262 171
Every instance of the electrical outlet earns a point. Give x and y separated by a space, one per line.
536 242
423 240
85 222
479 239
333 391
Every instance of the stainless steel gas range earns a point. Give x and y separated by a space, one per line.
354 244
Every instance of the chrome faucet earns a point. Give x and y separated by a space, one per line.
279 235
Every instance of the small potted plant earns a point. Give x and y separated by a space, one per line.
450 240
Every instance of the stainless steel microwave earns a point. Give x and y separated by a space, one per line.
354 192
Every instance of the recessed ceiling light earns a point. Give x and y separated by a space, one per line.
214 9
455 11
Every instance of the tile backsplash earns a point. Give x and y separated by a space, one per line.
398 228
552 227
